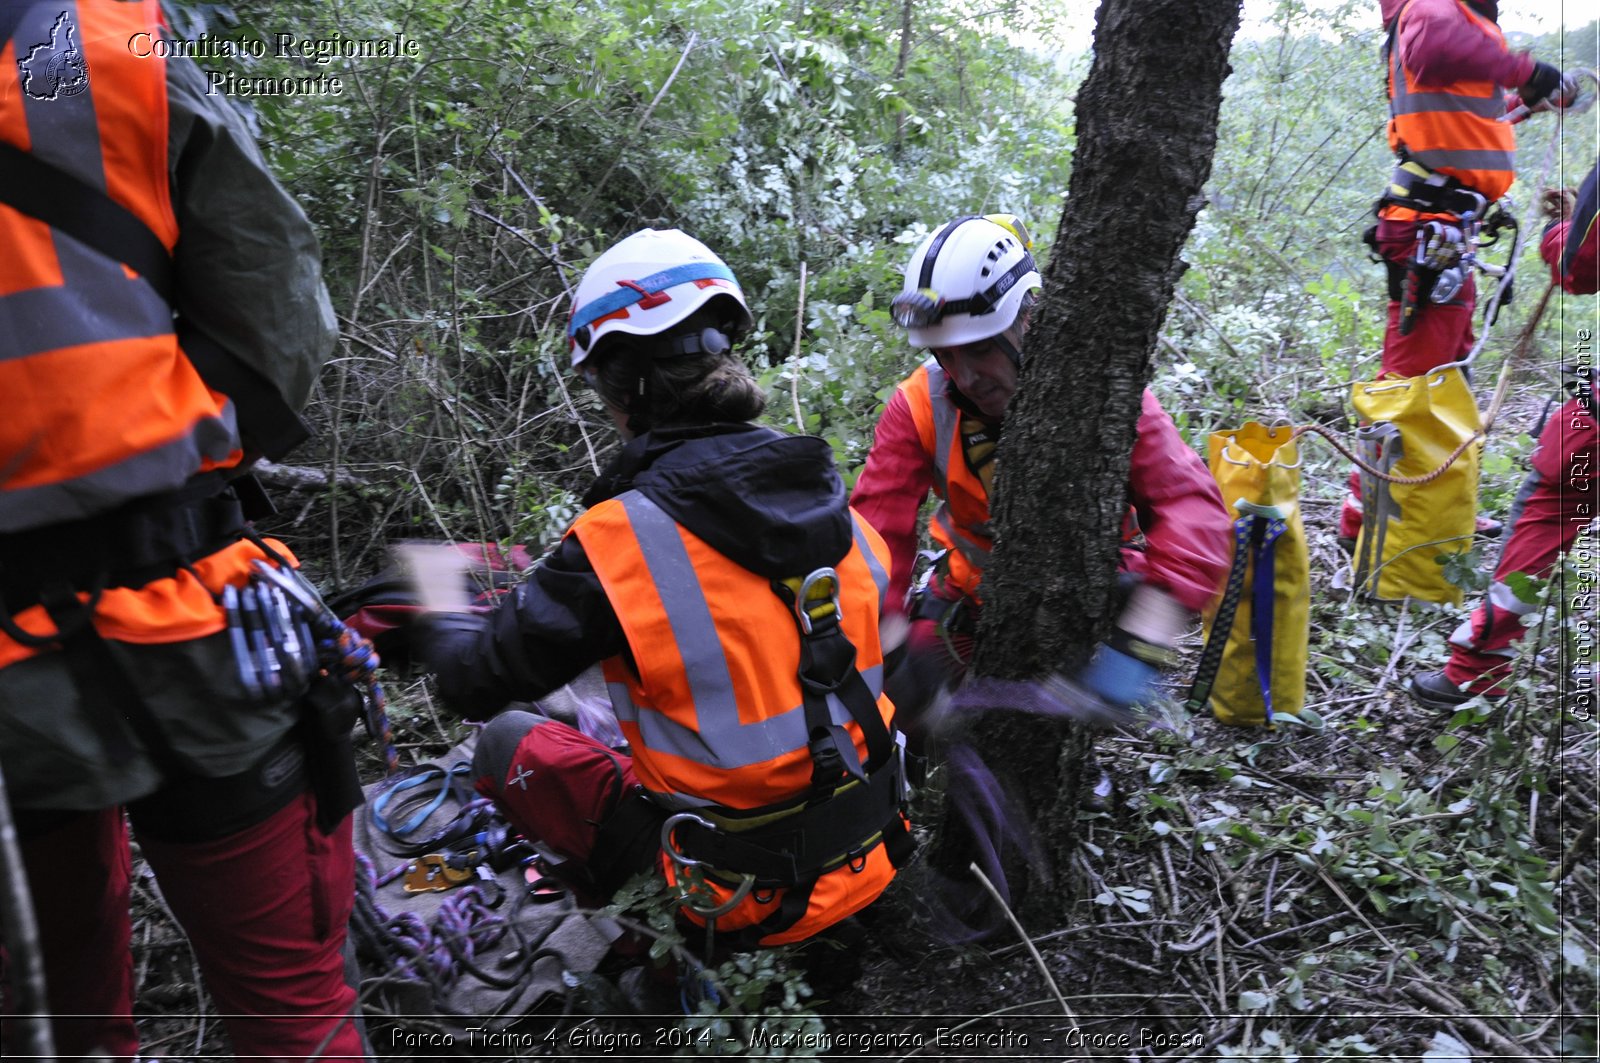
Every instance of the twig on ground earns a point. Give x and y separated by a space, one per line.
1445 1005
1032 950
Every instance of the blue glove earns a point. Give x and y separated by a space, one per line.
1117 678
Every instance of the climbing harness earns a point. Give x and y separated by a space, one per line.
851 808
1439 264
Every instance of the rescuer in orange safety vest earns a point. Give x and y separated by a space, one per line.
1448 67
162 315
733 600
968 293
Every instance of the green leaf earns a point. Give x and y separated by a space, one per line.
1250 1000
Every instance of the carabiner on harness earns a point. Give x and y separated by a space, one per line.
746 882
809 592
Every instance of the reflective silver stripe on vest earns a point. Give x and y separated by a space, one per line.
212 438
880 575
97 302
1465 160
65 133
98 311
977 556
719 739
945 419
1490 107
1404 101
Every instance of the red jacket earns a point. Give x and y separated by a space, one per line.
1175 504
1448 63
1439 44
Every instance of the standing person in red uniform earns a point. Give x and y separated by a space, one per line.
1558 500
968 293
148 254
1448 69
732 599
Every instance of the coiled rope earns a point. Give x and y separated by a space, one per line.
1502 387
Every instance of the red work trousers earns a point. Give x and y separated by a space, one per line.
265 908
1557 502
1442 334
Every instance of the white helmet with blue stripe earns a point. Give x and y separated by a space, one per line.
648 283
967 281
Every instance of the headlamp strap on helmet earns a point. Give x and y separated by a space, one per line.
983 302
925 280
638 290
925 306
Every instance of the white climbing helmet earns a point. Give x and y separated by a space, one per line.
646 284
967 281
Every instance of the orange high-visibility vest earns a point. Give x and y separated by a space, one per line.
961 522
712 704
102 404
1452 129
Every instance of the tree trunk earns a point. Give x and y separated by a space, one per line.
1147 124
907 9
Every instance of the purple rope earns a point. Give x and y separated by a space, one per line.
437 951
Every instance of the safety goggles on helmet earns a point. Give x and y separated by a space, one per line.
926 306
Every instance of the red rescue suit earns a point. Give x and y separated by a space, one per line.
918 447
1447 67
1561 496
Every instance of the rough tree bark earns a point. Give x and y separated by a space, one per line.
1146 131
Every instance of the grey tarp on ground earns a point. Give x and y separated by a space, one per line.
579 942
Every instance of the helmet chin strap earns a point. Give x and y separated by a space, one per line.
639 401
704 341
1012 350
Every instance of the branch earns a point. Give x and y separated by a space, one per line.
300 478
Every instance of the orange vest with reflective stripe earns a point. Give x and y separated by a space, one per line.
1452 129
961 522
712 705
102 405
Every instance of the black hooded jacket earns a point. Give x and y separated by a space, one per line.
771 503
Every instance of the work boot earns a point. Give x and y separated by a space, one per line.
1488 528
1432 690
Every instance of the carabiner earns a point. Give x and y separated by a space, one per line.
666 837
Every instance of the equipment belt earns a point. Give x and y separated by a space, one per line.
1414 186
127 547
806 843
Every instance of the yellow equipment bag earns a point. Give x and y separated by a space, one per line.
1416 424
1254 663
